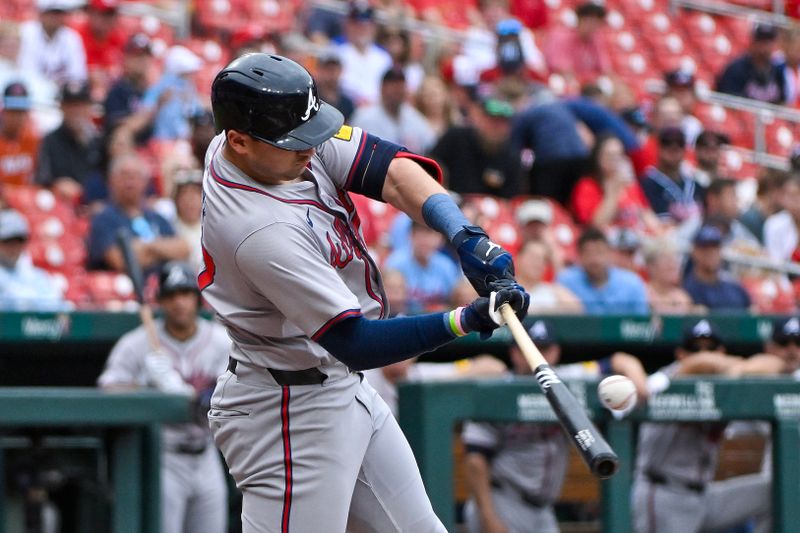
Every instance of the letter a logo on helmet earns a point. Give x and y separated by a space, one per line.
272 99
313 105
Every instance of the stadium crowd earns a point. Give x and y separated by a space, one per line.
617 198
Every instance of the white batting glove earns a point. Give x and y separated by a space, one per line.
495 314
163 376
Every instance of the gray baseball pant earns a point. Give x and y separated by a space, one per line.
517 515
194 493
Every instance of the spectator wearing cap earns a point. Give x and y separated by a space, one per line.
626 245
154 239
124 98
707 283
579 54
662 259
513 71
707 156
363 62
667 113
328 76
174 97
789 66
23 287
674 196
610 196
51 48
753 74
549 129
680 85
532 263
535 222
393 118
515 471
103 39
781 229
722 210
19 142
478 158
602 287
70 157
768 201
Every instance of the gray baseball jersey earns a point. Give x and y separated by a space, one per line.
193 486
282 265
673 488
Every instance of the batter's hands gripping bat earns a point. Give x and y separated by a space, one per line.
134 271
598 455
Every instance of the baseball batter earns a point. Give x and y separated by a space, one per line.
193 353
674 489
310 444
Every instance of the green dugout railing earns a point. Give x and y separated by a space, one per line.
429 412
130 423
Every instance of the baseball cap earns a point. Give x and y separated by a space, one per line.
508 27
177 276
106 6
330 56
75 92
624 239
497 108
708 236
710 138
15 97
361 11
55 5
671 136
785 330
180 60
634 116
394 74
679 78
590 9
703 329
535 211
764 32
13 225
138 43
541 334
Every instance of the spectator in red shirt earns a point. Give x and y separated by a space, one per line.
579 54
611 196
19 143
103 40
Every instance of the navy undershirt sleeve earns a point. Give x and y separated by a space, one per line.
362 344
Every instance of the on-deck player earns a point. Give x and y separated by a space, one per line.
310 444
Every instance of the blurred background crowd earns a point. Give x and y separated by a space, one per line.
635 156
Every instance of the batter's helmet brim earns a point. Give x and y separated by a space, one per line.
311 134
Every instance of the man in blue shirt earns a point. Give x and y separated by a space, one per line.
603 288
430 275
707 284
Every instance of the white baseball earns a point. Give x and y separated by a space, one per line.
617 393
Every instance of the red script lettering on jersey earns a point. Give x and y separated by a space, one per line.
342 252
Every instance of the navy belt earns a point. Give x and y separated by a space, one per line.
309 376
660 479
527 498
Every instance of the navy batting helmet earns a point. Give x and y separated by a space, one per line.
176 276
274 100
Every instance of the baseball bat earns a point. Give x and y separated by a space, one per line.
134 271
593 448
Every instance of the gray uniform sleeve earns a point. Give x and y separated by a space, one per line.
341 154
283 262
125 363
480 434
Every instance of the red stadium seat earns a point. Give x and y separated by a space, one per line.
770 294
109 290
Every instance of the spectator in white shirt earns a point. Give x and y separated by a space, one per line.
780 229
363 62
23 287
394 119
49 47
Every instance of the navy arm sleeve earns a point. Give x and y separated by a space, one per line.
362 344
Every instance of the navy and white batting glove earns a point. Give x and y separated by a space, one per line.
482 260
483 314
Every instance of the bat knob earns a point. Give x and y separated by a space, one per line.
605 465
